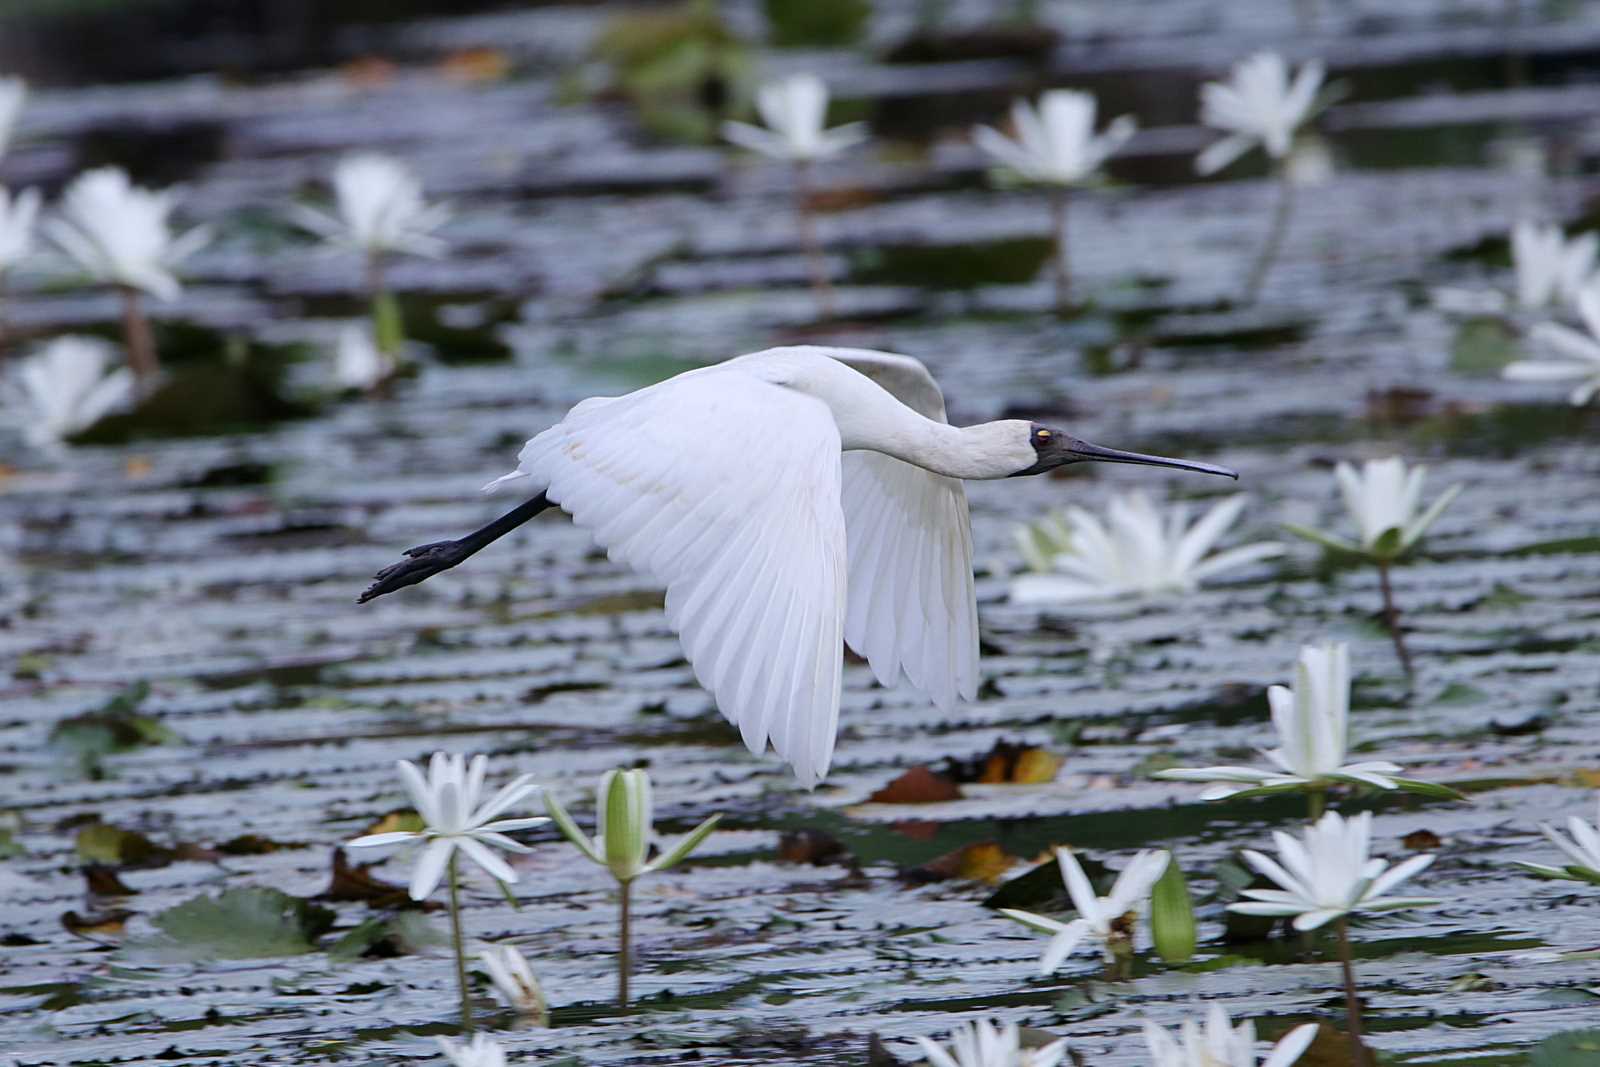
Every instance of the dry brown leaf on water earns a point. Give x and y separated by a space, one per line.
1421 840
473 65
981 861
919 785
367 72
96 924
102 881
1008 764
816 848
355 881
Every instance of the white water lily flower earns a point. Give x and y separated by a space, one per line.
794 110
380 209
119 233
515 982
1328 874
448 801
1550 268
1582 848
1383 498
358 363
64 389
1313 725
481 1051
1575 356
1055 144
17 215
1220 1045
982 1044
1135 552
1103 921
13 94
1258 104
624 817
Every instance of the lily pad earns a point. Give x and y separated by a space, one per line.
251 922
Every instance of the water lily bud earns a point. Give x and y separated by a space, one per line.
623 813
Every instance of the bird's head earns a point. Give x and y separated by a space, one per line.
1053 448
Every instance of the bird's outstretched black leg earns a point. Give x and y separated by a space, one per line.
424 561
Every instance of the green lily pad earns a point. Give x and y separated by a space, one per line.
251 922
1572 1048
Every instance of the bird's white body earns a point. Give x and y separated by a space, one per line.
791 501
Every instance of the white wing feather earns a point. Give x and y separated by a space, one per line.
912 606
725 488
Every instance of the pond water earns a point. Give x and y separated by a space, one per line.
185 659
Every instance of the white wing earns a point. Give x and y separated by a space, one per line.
912 605
725 488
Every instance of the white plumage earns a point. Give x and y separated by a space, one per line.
791 501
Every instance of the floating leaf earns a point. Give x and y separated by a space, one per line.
355 881
982 861
817 848
1571 1048
385 937
247 923
919 785
116 726
1172 923
103 843
96 924
1041 888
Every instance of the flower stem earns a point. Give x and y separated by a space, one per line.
461 948
1061 264
1391 617
624 948
140 341
808 238
1275 235
1352 1006
1316 801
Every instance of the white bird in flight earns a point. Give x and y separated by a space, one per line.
792 501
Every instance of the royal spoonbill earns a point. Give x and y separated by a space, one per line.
792 501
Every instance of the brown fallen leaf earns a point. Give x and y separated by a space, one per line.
1421 840
96 924
813 847
355 881
981 861
919 785
472 65
103 881
368 72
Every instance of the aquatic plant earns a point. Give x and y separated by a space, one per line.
13 94
1582 848
983 1044
1574 356
1136 551
795 110
1108 922
1327 875
1549 267
1261 105
481 1051
1312 721
624 819
380 211
1056 146
1219 1044
456 821
358 361
119 234
1385 499
63 389
516 984
17 216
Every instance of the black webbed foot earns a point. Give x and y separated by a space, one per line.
422 563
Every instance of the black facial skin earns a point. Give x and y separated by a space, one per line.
1052 449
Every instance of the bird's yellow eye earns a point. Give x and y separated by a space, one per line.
1043 435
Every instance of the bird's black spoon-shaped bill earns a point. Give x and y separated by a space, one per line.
1083 450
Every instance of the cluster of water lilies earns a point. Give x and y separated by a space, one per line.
118 235
1054 144
457 822
1140 552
